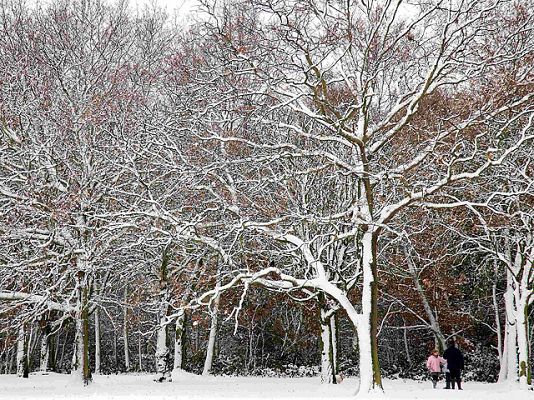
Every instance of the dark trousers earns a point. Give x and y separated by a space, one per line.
435 377
455 374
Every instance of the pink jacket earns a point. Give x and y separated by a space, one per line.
434 363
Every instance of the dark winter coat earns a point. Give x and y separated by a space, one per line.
454 357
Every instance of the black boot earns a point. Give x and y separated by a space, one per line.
459 384
452 384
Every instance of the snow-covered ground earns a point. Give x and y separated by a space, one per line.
133 387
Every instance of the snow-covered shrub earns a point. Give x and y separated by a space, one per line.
481 365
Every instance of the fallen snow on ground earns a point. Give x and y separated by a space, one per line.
188 386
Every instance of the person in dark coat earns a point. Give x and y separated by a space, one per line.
455 363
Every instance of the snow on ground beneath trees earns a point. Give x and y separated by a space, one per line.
188 386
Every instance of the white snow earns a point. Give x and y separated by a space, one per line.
189 386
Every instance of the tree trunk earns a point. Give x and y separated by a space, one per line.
365 322
510 349
179 341
327 352
140 353
22 353
370 283
12 360
97 341
115 351
81 367
125 331
52 351
9 361
30 346
406 347
210 352
162 348
498 327
62 357
523 341
45 350
57 362
333 336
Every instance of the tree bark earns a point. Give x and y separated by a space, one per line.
179 341
327 352
511 331
522 336
22 353
162 348
81 368
125 331
370 309
210 351
406 347
8 367
140 353
97 341
498 327
45 349
333 335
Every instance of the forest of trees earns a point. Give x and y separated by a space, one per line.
280 187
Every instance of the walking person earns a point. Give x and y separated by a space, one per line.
433 364
455 363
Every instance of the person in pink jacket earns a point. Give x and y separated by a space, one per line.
434 364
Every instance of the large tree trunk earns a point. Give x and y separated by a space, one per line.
81 367
210 351
522 294
523 337
365 322
62 356
32 341
498 327
45 349
179 336
52 351
510 337
327 349
362 324
22 353
370 305
333 336
162 348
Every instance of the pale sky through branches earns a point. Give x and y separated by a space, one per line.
182 7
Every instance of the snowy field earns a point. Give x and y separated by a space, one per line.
56 386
